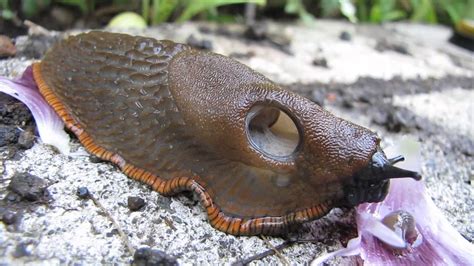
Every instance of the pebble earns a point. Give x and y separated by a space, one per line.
147 256
345 36
9 217
29 187
135 203
83 193
26 139
21 250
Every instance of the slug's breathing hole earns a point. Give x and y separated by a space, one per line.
272 131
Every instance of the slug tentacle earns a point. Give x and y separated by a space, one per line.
260 158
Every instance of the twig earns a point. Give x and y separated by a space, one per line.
116 225
277 252
264 254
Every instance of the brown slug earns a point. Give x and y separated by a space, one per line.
260 158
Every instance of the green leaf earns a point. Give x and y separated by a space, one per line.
162 10
393 15
194 7
362 11
424 11
297 7
4 5
375 14
6 14
146 9
31 8
81 4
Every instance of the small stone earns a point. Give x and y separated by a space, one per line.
135 203
26 139
321 62
9 217
12 197
112 233
29 187
150 257
21 250
345 36
83 192
95 159
7 48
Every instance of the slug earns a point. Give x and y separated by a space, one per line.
261 159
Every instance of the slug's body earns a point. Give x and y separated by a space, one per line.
181 119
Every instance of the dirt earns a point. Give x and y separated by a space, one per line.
17 127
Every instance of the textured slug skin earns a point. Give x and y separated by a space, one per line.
175 118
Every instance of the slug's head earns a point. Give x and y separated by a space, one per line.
307 143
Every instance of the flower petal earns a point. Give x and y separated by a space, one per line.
438 243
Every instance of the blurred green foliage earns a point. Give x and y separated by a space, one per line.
159 11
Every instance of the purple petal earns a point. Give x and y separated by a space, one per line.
438 243
441 243
50 125
352 249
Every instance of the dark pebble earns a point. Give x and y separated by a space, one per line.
177 219
112 233
12 197
21 251
95 159
321 62
199 44
345 36
348 103
83 192
135 203
9 217
152 257
26 139
29 187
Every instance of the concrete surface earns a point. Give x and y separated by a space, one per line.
69 230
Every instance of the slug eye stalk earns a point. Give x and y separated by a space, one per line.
384 168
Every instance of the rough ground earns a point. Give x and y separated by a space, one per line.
397 79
